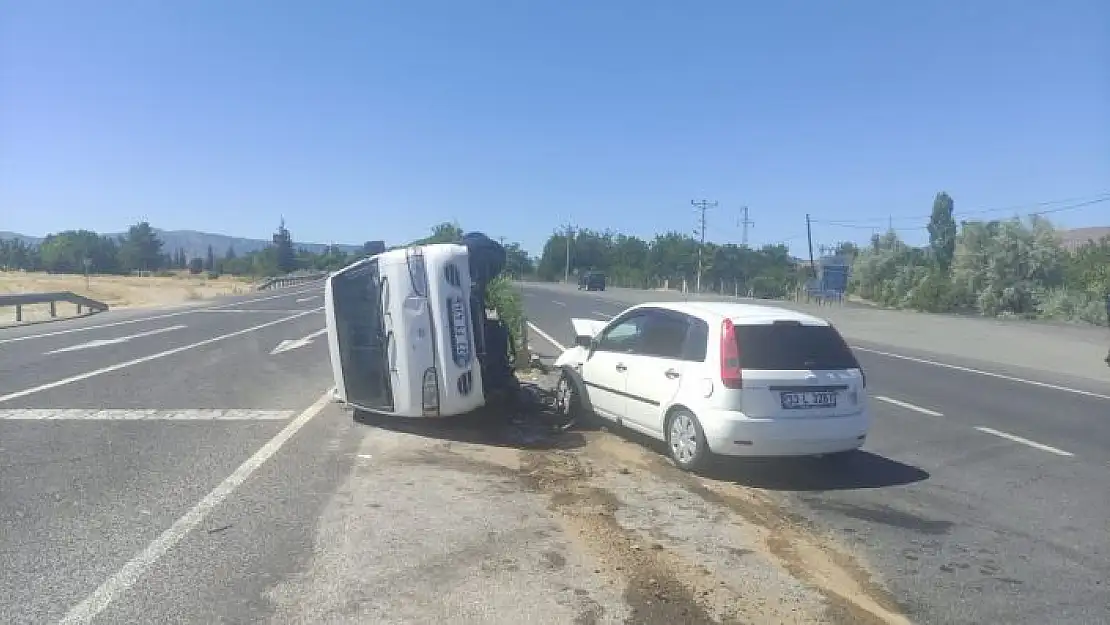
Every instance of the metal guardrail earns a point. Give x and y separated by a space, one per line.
19 300
289 280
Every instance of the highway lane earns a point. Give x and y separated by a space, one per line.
138 446
963 525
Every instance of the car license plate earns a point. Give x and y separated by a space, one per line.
795 400
460 334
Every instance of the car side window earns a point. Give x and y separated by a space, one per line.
624 336
697 340
663 335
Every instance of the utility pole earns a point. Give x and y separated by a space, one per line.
809 237
702 206
744 223
566 269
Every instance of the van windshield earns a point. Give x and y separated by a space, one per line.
791 346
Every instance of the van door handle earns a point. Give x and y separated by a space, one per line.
671 373
621 367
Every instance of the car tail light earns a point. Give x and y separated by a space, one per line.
431 393
731 373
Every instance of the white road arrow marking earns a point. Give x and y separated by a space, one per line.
287 344
115 341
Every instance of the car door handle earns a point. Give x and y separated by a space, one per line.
621 367
671 373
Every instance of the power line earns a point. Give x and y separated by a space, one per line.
1071 203
1047 211
702 206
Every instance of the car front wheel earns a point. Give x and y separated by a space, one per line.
686 441
568 402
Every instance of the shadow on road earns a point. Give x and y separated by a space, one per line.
858 470
853 471
526 425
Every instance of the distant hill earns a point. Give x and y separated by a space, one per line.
196 243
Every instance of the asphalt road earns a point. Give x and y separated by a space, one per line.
180 466
981 499
113 427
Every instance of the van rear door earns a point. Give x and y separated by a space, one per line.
792 369
360 346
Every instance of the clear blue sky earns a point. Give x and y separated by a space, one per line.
374 119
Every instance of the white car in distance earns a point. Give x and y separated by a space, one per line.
719 378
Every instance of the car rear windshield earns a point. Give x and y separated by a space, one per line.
790 345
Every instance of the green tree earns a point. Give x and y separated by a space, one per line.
942 231
65 252
284 254
141 249
210 260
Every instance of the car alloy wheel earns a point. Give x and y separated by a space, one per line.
686 441
567 404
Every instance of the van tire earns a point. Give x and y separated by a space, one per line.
691 453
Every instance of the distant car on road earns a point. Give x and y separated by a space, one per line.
592 281
719 378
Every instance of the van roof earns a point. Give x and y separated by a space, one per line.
742 313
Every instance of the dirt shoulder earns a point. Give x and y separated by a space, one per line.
116 291
576 527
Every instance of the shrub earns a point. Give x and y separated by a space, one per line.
505 300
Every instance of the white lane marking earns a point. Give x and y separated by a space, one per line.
307 299
545 336
136 361
276 311
134 569
287 344
598 312
558 303
115 341
268 297
908 406
1024 441
989 374
113 324
151 414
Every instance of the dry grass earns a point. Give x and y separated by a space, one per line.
116 291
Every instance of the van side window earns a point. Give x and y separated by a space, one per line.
663 335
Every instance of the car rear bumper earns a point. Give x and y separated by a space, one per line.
732 434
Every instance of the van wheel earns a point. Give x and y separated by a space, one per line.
686 441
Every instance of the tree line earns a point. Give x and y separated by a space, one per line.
1002 267
141 250
1015 267
670 260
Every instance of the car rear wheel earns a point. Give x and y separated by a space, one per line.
686 441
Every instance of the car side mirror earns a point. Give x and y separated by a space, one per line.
584 341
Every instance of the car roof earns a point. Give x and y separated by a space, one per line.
737 312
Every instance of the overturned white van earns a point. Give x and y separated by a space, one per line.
406 330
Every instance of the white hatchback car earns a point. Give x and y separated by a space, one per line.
719 378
